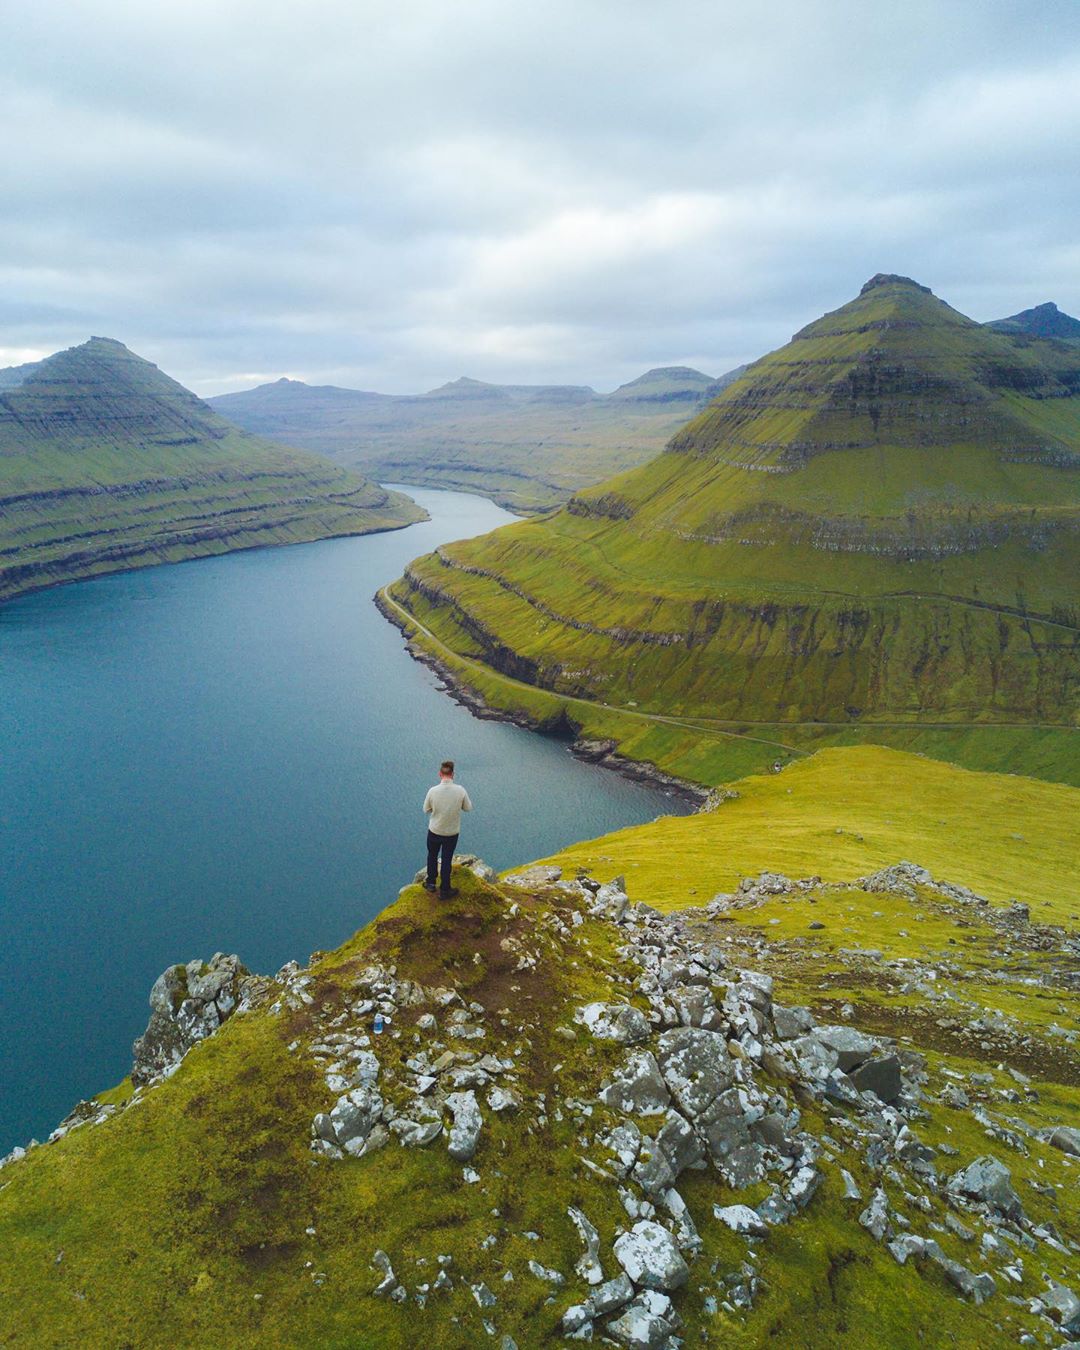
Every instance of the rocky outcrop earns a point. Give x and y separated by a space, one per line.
189 1003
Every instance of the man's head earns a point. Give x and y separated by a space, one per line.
446 769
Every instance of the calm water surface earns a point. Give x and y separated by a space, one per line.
230 755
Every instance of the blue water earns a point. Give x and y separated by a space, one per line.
231 755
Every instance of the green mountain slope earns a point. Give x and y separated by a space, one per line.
873 534
800 1113
107 464
1044 321
529 447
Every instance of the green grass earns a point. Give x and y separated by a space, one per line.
857 541
845 813
107 464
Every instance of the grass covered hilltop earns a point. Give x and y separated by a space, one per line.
873 535
107 464
731 1107
528 447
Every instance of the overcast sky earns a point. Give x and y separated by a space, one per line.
389 195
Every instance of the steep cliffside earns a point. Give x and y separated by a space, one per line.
107 464
877 527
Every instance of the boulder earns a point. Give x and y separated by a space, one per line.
648 1323
354 1114
851 1047
541 874
651 1258
741 1219
620 1022
605 1298
989 1182
188 1003
880 1076
1066 1138
697 1069
1063 1307
637 1087
465 1131
875 1217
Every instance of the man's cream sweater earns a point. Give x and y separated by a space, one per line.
445 803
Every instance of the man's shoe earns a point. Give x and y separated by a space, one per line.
429 885
449 895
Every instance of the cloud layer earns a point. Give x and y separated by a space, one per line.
389 196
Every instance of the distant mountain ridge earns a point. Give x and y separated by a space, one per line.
527 446
875 530
1046 321
106 463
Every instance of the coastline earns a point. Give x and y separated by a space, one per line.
603 753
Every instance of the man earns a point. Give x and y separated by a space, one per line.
444 803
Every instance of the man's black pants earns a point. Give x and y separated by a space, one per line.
437 844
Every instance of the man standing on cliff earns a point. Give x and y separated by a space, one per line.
444 803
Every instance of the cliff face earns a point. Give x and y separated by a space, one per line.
546 1111
877 523
106 464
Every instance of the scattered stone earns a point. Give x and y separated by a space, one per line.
990 1182
741 1219
465 1131
620 1022
875 1217
588 1266
650 1257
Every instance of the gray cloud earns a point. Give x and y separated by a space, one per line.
389 196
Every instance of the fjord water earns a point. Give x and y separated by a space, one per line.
231 755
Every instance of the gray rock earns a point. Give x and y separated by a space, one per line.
1063 1307
541 874
791 1022
978 1288
880 1076
574 1319
679 1143
989 1182
619 1022
851 1046
354 1115
465 1131
650 1257
1066 1138
653 1172
483 1295
907 1244
610 1295
697 1069
554 1277
415 1133
875 1217
188 1003
588 1265
741 1219
389 1281
637 1086
502 1099
648 1323
322 1127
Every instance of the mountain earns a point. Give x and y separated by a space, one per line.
529 447
107 464
873 534
1044 321
811 1110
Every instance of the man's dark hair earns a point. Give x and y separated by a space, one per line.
447 766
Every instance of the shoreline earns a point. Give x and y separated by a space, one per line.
37 587
602 753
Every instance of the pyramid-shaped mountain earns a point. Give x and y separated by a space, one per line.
106 463
878 523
